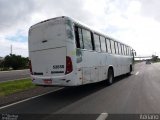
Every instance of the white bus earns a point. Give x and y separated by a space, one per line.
64 52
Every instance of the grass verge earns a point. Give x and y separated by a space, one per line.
10 87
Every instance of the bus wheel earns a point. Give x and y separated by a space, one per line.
110 77
130 70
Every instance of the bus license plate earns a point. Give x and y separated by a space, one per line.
47 81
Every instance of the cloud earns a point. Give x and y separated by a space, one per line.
15 13
135 22
15 20
151 8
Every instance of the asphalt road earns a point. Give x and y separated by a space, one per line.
15 74
135 94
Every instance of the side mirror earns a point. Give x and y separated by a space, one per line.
135 53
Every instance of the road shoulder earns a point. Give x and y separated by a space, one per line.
5 100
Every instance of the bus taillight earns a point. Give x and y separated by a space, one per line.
30 67
69 67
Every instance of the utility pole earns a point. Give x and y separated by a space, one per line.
11 50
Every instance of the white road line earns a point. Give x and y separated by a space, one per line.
15 79
28 99
137 73
102 116
13 70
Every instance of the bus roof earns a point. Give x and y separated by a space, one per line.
95 31
80 24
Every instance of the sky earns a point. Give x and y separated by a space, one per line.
134 22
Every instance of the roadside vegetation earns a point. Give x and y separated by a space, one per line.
13 62
155 59
10 87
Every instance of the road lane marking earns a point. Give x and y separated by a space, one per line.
15 79
137 73
29 98
102 116
13 70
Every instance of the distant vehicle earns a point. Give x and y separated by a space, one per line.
148 62
64 52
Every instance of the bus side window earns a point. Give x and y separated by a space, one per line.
130 51
92 38
78 37
122 49
112 47
116 47
87 39
108 45
125 50
119 47
103 44
97 43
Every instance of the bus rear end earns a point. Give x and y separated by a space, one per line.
50 63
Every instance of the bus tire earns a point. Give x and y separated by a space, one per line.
110 76
130 70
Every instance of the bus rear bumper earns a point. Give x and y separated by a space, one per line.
53 81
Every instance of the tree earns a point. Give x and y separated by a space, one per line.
154 58
1 64
15 61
